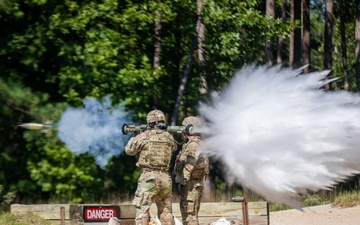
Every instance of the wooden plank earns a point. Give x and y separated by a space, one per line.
67 222
127 211
209 212
254 220
226 209
46 211
76 212
52 211
258 220
127 221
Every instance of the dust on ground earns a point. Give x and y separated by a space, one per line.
317 215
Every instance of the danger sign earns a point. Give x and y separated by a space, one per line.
100 213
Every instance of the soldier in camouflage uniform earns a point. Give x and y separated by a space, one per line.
155 148
190 169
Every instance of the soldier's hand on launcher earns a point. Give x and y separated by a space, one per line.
183 182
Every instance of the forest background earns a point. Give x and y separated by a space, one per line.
168 55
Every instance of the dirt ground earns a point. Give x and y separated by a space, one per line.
317 215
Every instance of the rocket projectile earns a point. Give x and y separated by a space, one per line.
35 126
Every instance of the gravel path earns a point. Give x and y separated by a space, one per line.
317 215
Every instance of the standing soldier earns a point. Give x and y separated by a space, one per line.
190 169
155 147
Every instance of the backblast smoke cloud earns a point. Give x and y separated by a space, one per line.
279 134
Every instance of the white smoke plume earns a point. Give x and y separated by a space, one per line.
280 135
94 129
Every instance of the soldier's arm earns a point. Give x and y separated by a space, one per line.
191 160
135 144
173 144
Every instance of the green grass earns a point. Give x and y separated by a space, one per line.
305 201
26 219
347 199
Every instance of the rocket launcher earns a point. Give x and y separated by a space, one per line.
131 128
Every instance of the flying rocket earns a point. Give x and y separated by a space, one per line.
35 126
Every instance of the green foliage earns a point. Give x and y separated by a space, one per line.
44 167
5 200
68 177
236 37
313 199
317 45
17 104
273 207
55 53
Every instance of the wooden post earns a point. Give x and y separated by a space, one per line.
268 213
62 215
333 194
245 213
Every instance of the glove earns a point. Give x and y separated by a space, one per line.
183 182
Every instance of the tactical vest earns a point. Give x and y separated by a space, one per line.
158 151
202 165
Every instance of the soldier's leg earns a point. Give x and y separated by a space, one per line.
144 198
143 208
165 212
183 203
194 200
164 201
142 215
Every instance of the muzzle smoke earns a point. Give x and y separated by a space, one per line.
280 135
94 129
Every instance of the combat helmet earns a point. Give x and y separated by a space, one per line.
155 116
195 121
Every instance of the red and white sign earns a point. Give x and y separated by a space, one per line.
100 213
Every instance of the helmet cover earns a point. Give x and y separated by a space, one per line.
195 121
155 116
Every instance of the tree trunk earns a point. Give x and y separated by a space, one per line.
201 58
187 68
291 36
270 11
281 43
328 37
183 83
295 36
343 46
357 42
203 83
306 34
157 50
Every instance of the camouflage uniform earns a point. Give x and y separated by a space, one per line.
155 148
190 169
